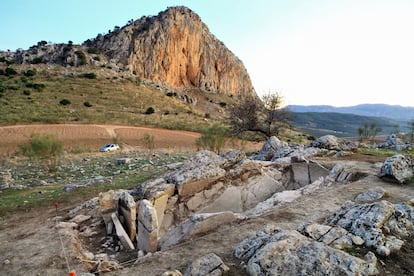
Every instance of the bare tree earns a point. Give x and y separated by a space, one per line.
264 116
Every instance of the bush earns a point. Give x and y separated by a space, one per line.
26 92
36 86
87 104
213 138
30 72
10 71
92 50
148 141
88 75
64 102
81 55
45 148
150 110
37 60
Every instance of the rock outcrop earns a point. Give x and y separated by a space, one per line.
177 48
274 251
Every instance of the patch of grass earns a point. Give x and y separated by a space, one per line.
46 196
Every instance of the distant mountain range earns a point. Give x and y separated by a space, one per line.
396 112
320 120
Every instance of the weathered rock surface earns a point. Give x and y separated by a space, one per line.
397 168
370 195
273 251
195 224
331 142
394 143
382 225
209 264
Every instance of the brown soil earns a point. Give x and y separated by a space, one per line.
91 137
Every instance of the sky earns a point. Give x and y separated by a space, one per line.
330 52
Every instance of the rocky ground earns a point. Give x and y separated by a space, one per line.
41 241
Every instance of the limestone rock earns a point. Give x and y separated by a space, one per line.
199 173
209 264
328 142
273 149
394 143
147 227
397 168
273 251
372 222
176 47
195 224
371 195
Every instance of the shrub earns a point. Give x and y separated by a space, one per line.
36 86
88 75
10 71
213 138
81 55
223 104
26 92
87 104
150 110
92 50
64 102
30 72
45 148
148 141
37 60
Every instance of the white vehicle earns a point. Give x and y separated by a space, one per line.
109 147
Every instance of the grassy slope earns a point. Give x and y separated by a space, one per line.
115 98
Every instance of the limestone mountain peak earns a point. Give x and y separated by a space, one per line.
177 48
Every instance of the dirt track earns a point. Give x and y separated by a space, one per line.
90 137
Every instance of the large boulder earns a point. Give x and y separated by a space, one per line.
393 142
397 168
273 149
200 172
382 225
273 251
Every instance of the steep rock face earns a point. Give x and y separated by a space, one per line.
177 48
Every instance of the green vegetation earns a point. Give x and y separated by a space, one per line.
82 57
45 148
367 133
65 102
149 141
87 104
213 138
338 124
113 101
89 76
149 110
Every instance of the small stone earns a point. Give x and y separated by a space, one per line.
6 262
383 251
357 240
370 257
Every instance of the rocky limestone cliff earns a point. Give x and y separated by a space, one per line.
176 47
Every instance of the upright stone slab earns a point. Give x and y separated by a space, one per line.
128 209
121 233
147 227
107 207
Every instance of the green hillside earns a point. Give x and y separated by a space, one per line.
340 124
55 94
